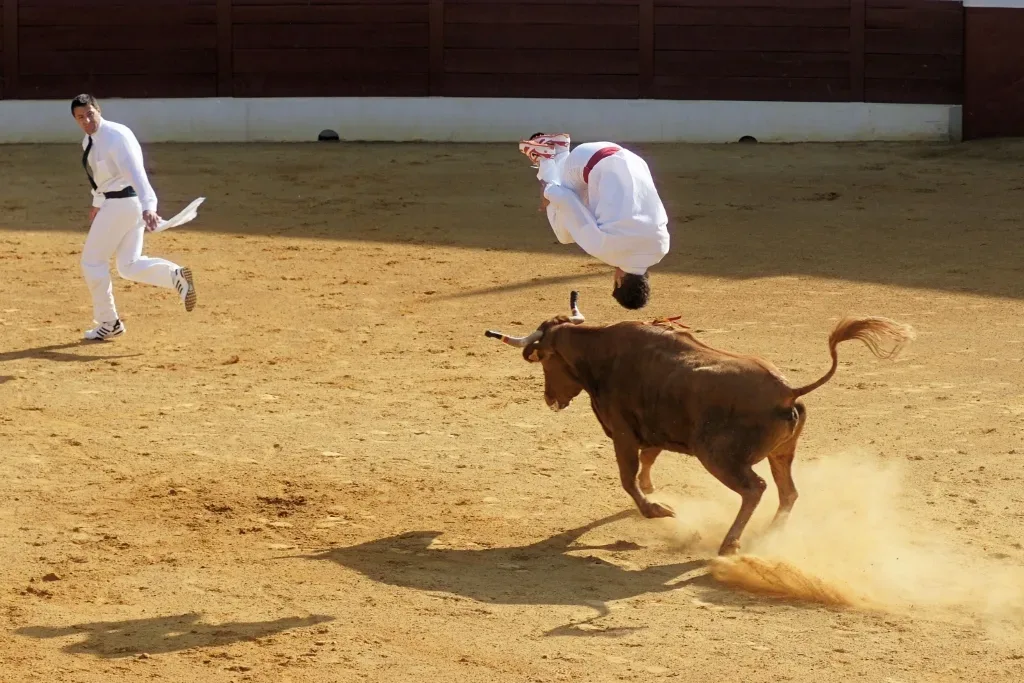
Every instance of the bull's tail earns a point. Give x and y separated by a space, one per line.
873 331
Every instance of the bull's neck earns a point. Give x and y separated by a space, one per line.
582 349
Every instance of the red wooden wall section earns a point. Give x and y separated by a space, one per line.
367 47
541 49
795 50
146 48
994 97
914 51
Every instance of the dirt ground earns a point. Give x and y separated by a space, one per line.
327 473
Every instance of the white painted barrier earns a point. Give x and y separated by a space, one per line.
441 119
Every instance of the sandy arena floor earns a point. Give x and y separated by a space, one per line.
327 472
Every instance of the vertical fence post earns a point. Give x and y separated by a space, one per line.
225 71
11 86
435 77
858 19
646 27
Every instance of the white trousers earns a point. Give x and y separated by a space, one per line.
118 229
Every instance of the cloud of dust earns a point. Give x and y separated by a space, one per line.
848 542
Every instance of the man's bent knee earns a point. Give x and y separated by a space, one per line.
94 269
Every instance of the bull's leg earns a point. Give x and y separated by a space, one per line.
781 461
627 455
736 473
647 458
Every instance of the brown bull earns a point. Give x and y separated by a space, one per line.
654 387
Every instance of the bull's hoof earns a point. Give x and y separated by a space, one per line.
729 548
655 510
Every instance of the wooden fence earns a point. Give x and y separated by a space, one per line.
795 50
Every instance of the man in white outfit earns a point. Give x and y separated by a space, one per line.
603 198
124 206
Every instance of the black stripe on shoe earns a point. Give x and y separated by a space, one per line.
190 297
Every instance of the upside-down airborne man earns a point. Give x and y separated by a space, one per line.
603 198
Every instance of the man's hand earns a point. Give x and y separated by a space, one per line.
544 201
92 214
151 218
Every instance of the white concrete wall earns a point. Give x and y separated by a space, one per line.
1007 4
485 120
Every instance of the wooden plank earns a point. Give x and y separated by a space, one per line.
123 85
547 3
117 62
332 14
909 91
171 36
646 36
950 6
752 38
913 41
225 47
305 3
752 16
107 5
775 4
436 44
718 64
12 85
266 36
580 62
541 85
531 36
315 85
761 89
325 61
500 12
915 67
136 14
914 17
858 11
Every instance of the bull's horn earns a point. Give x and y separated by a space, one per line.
515 341
576 316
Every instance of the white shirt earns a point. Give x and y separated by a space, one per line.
116 162
615 215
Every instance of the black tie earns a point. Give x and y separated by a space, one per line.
85 163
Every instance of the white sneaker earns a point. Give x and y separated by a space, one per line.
105 331
545 146
186 287
558 140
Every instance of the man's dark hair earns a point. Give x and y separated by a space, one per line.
535 135
633 291
83 100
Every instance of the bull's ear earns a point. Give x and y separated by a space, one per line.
532 352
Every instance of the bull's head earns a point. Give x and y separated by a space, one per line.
561 385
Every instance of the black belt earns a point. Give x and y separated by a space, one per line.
121 194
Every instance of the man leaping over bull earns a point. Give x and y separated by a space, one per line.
603 198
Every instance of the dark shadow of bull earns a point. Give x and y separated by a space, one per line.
541 573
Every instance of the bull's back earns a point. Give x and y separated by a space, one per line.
670 370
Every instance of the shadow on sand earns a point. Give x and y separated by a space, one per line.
542 573
157 635
58 353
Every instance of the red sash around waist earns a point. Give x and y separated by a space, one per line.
598 155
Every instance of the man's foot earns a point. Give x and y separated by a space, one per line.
186 287
545 146
558 140
105 331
